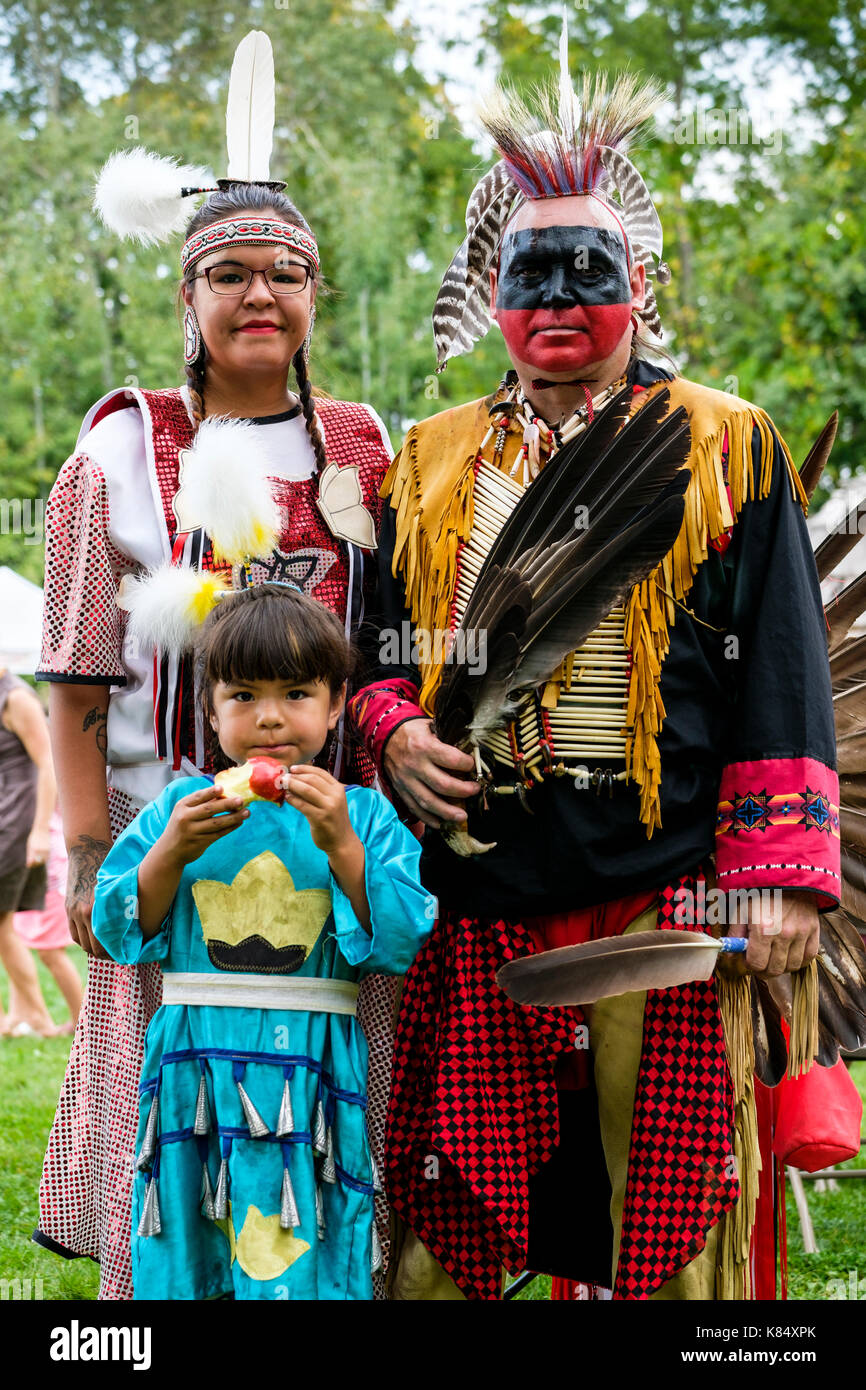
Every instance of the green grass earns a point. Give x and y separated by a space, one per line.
31 1072
839 1219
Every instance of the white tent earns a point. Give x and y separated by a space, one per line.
20 622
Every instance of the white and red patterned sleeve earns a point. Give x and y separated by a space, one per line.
82 626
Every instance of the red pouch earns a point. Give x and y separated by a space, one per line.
818 1118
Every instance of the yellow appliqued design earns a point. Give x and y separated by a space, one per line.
262 1248
260 921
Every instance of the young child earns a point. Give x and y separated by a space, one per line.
254 1173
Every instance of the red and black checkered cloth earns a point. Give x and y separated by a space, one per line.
474 1113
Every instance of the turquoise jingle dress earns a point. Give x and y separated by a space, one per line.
254 1177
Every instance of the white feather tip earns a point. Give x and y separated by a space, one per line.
138 194
167 605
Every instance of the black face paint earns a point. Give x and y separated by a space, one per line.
556 267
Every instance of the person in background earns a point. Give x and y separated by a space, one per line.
47 931
27 799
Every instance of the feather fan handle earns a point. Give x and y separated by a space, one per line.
250 109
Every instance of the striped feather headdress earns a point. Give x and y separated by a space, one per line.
570 144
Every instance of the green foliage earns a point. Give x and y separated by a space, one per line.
766 297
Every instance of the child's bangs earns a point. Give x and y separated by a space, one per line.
275 636
256 650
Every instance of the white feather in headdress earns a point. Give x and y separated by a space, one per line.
168 604
250 109
224 488
138 194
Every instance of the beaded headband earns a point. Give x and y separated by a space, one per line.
248 231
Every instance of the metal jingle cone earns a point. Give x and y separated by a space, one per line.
378 1189
328 1171
221 1200
150 1224
319 1133
148 1143
376 1259
290 1217
206 1201
320 1214
286 1118
202 1109
255 1124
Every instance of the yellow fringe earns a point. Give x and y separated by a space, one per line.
429 568
735 1228
803 1044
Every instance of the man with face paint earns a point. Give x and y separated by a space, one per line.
690 740
563 296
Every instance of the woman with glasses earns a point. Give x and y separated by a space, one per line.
250 275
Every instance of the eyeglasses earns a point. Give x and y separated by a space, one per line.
230 278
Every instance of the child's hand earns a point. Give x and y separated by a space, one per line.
198 820
322 799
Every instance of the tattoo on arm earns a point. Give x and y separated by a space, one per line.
85 857
100 719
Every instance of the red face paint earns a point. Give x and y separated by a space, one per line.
563 296
585 334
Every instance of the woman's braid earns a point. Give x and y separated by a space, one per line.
305 392
195 386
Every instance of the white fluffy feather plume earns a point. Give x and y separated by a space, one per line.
250 109
137 194
224 487
166 605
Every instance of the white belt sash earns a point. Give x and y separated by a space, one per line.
231 991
